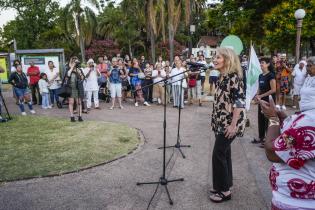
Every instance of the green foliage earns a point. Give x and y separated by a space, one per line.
280 24
34 17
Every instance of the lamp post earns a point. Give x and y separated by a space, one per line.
192 30
299 15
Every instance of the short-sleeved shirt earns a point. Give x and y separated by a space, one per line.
115 75
34 78
229 94
264 84
293 181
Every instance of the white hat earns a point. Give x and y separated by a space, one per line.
90 61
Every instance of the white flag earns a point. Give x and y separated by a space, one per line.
252 77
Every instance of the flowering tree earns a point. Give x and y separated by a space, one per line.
102 47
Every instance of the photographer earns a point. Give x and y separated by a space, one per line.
91 85
75 78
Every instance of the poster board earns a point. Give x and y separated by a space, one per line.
3 64
41 61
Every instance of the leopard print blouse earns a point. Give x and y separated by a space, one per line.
229 94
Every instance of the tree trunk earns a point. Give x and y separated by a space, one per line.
312 46
130 51
152 40
82 48
171 42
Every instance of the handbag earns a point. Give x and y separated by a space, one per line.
65 90
192 82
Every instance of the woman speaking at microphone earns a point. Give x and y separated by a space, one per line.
228 121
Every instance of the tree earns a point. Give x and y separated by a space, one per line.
280 25
34 18
84 21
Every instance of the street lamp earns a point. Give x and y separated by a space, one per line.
299 15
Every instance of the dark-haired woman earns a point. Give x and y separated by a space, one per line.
267 87
75 79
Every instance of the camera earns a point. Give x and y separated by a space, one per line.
196 66
77 64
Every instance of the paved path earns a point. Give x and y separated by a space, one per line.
113 186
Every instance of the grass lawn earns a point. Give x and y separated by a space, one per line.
38 146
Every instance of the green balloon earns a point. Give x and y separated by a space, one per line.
233 42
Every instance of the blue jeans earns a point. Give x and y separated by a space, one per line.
20 94
54 95
45 100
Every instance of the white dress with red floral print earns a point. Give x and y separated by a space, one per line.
293 182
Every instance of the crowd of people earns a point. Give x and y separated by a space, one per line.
118 79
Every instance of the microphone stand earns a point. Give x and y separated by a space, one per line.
178 141
163 179
5 106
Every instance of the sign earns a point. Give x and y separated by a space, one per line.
40 61
3 64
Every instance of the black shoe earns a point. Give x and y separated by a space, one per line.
72 119
80 119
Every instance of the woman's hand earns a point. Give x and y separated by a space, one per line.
230 131
268 109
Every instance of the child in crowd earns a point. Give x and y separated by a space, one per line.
139 94
43 89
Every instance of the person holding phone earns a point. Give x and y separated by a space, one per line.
91 86
290 146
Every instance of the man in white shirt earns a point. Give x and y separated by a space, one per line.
91 86
299 74
54 82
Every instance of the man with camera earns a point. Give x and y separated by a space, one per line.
91 86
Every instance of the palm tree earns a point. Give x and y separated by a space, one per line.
84 22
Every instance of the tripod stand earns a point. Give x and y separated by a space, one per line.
5 106
163 180
178 145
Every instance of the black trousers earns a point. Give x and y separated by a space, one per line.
222 175
147 91
262 124
34 89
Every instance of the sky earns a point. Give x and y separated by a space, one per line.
10 14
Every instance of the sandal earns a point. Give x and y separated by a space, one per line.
213 191
222 196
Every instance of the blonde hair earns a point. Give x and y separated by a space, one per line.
231 61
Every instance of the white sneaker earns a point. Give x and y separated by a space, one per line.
294 107
23 113
278 107
44 107
146 104
49 107
136 104
159 101
32 111
111 108
283 107
121 107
